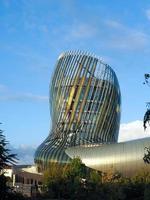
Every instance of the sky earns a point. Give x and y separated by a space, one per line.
32 35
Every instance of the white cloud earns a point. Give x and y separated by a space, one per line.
133 130
124 37
113 24
133 40
7 95
148 14
34 59
111 33
83 30
23 97
25 153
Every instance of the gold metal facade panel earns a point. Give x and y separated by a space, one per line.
83 100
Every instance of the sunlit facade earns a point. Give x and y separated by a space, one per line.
124 157
84 106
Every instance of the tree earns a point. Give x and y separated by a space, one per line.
147 114
146 157
75 181
76 169
6 159
65 180
95 176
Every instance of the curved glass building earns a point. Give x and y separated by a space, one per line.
84 106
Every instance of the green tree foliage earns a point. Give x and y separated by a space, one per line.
65 181
54 172
76 169
146 157
6 159
95 177
76 181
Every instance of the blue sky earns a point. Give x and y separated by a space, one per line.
34 32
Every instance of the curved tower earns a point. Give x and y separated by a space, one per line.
84 106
